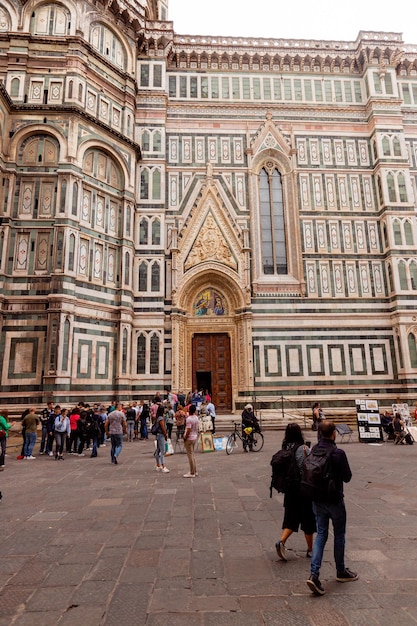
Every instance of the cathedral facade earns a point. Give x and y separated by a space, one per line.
176 211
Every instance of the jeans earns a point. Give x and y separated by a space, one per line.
130 430
116 446
324 513
95 445
160 449
143 429
44 439
30 440
60 440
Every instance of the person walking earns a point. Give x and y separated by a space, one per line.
116 428
332 509
211 411
4 435
161 437
30 423
190 438
130 421
298 510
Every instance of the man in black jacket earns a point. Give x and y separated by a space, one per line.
334 510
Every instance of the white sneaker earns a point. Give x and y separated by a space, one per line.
81 454
189 475
158 468
165 470
31 457
50 453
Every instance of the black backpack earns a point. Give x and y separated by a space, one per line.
317 483
285 471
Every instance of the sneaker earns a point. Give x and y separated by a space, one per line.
346 576
165 470
115 460
20 457
315 585
81 454
158 468
41 453
31 457
280 548
50 453
189 475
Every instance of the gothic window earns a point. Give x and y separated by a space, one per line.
273 242
155 276
107 44
379 187
386 148
74 199
70 88
145 141
157 142
400 353
63 196
156 233
141 355
143 232
54 346
52 19
71 251
413 275
402 188
154 360
402 276
127 268
390 279
408 232
412 349
65 347
397 146
391 188
143 277
397 233
124 351
144 184
150 183
156 184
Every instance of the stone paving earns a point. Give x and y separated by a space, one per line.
85 542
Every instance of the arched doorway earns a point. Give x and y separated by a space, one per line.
211 368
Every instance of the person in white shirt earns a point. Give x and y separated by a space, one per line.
190 438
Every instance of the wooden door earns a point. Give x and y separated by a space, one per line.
211 353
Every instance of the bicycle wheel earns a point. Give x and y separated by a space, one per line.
257 442
231 444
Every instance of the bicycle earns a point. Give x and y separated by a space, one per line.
252 440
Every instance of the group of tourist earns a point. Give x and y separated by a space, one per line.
86 428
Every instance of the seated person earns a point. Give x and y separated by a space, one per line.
386 423
398 426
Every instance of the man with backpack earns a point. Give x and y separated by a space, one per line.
324 472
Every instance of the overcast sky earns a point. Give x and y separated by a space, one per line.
302 19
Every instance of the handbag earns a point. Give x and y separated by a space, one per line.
2 433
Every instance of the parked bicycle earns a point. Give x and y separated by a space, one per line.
252 439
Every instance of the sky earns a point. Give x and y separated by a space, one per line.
301 19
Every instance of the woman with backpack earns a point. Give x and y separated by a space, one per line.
298 511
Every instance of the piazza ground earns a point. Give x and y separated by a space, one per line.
88 543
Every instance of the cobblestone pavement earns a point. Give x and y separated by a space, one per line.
85 542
